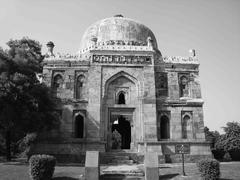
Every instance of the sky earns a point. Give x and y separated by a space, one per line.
211 27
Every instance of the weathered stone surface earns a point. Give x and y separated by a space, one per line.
151 166
92 171
159 106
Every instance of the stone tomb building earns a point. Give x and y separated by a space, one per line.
120 93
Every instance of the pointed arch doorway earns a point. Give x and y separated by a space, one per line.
120 129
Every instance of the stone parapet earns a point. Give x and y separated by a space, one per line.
118 48
64 63
180 60
187 102
122 59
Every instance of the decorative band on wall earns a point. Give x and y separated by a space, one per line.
119 59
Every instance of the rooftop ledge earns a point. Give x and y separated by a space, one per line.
118 48
170 60
79 57
180 60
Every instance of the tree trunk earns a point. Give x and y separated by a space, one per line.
8 145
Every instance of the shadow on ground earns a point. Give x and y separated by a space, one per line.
124 177
164 167
167 176
16 163
64 178
119 177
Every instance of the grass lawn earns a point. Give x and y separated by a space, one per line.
19 171
229 171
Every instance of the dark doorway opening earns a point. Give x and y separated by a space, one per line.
122 126
79 126
121 98
185 126
164 127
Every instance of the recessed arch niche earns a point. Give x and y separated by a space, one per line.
79 125
57 84
163 127
123 87
187 125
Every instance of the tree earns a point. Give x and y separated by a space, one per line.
230 141
211 136
26 105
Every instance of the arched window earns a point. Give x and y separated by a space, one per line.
79 126
183 86
121 98
186 127
57 84
79 87
164 127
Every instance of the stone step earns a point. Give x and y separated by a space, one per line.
121 151
117 161
118 157
124 170
120 177
113 158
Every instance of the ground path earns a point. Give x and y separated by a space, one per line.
19 171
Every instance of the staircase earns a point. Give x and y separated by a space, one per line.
117 158
120 165
120 177
122 172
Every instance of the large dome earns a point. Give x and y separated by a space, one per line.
117 28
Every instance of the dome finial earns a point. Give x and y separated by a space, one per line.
192 53
149 42
50 46
118 15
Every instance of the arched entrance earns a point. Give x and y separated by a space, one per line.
119 104
79 126
121 133
186 127
164 127
121 98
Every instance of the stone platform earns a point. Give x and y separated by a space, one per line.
123 172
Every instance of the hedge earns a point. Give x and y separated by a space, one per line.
209 169
42 167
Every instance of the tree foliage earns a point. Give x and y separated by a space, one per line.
211 136
26 105
230 141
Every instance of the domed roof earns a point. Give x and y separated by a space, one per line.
117 28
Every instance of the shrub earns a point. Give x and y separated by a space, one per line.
42 167
235 155
25 143
2 145
218 154
227 157
209 169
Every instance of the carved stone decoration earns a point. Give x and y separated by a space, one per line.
181 60
119 59
57 82
80 85
183 80
124 43
149 42
192 53
50 46
122 91
161 84
94 40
